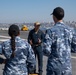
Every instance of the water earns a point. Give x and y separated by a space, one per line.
44 26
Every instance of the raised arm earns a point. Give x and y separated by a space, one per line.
73 44
2 60
31 62
47 43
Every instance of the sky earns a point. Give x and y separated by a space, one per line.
25 11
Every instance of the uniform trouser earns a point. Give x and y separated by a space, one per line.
39 53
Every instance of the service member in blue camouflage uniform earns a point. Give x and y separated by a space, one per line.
18 54
57 45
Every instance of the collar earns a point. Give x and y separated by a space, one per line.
59 23
17 37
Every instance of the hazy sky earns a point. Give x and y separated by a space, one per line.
19 11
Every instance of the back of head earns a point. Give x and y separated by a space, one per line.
13 30
58 12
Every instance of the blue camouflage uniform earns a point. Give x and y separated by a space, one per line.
23 55
57 46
